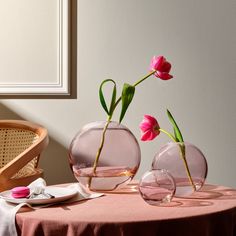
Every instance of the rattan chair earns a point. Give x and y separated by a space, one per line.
21 143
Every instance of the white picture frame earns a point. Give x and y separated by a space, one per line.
58 83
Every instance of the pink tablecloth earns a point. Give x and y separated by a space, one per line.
211 212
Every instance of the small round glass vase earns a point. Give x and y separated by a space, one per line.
119 160
189 171
157 187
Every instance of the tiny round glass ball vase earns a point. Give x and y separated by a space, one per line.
118 162
189 170
157 187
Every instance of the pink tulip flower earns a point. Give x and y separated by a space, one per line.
149 128
161 66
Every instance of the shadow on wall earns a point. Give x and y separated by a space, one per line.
54 160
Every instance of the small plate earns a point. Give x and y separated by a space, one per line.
61 194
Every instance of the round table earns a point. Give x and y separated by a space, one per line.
211 211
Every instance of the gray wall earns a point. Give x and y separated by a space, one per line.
116 39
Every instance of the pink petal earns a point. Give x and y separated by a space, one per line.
153 135
146 136
147 123
144 126
161 66
163 75
166 67
149 128
150 119
156 63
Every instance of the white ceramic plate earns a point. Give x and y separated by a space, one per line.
61 194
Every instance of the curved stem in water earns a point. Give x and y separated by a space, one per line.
183 156
106 126
99 151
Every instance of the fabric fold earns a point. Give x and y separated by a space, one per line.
8 210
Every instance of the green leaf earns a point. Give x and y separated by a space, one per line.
113 99
178 135
126 98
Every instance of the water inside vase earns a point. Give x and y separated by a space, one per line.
184 188
156 195
106 178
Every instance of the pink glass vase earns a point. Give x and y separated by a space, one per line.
118 162
189 175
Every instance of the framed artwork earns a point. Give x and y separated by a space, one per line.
34 47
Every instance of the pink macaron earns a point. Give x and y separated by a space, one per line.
20 192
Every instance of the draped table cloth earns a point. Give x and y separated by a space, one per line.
209 212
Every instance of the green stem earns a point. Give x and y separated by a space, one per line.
167 133
99 150
135 84
106 126
183 156
144 78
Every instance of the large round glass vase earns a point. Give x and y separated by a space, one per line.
119 160
189 170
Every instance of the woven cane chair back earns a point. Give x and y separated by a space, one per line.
21 144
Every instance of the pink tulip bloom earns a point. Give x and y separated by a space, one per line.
149 128
161 66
